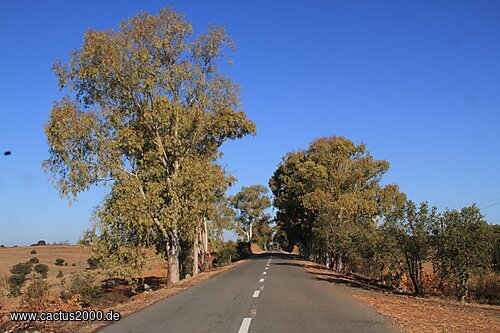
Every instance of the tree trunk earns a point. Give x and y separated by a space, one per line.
195 254
250 234
340 265
173 258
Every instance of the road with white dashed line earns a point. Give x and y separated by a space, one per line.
248 299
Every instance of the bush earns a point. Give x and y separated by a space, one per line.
82 285
242 250
59 275
4 286
23 268
34 260
41 242
16 281
42 270
73 264
33 252
226 253
37 289
92 263
59 262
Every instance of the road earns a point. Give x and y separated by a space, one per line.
269 293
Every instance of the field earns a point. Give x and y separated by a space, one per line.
75 260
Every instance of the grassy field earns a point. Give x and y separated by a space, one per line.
75 260
74 256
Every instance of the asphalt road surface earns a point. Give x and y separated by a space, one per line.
269 293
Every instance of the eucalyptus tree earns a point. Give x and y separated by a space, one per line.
143 104
330 190
413 233
250 205
465 246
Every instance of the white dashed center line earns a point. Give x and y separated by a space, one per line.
245 325
264 273
256 293
261 280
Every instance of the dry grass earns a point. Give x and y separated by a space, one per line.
155 265
47 255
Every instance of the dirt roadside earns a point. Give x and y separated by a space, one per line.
414 314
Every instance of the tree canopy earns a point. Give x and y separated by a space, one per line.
146 111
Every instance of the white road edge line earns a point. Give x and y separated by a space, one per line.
267 267
264 273
245 325
261 280
256 293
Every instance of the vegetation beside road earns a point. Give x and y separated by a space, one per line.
411 314
330 200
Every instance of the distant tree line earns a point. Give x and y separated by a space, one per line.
330 201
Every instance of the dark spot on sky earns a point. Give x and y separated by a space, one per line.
7 153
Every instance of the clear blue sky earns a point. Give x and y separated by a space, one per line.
417 81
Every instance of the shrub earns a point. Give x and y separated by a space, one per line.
33 252
42 270
243 250
65 264
226 253
34 260
59 275
23 268
16 281
73 264
41 242
92 263
38 288
4 286
83 285
59 262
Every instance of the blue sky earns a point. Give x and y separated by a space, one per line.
417 81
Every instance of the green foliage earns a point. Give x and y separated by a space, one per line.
21 268
412 232
34 260
225 253
42 270
59 262
92 262
262 232
464 246
145 135
329 201
242 250
84 286
328 196
15 282
250 205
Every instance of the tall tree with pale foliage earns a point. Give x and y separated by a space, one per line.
146 106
